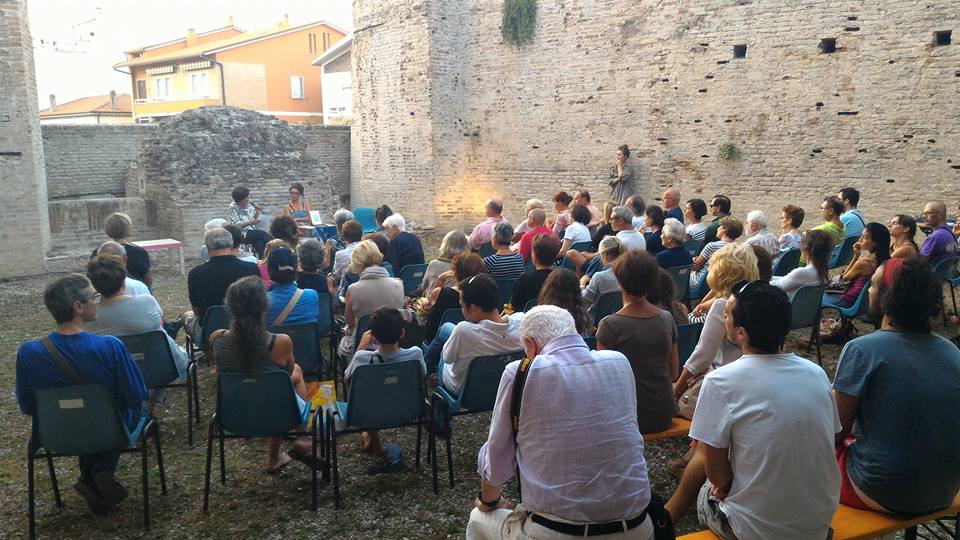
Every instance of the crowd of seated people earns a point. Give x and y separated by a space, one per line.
757 411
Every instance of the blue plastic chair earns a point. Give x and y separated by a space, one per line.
806 310
479 393
412 277
152 353
607 304
366 217
306 346
389 268
944 271
217 318
486 250
579 246
258 405
789 259
953 279
382 396
693 247
506 290
687 337
325 232
681 281
842 253
327 328
84 419
859 307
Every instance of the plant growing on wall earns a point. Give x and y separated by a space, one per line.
519 20
726 151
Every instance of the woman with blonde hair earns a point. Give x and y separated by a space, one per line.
373 290
454 243
606 228
603 281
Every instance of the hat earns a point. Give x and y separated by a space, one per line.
281 259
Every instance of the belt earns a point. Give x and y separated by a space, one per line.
590 529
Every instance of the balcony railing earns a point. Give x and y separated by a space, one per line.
171 106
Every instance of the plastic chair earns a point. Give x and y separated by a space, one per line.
152 352
479 393
366 217
843 253
687 337
789 259
693 247
681 281
859 307
506 290
306 346
607 304
257 405
953 279
412 277
382 396
532 303
805 311
217 318
454 316
327 328
486 250
389 268
325 232
84 419
579 246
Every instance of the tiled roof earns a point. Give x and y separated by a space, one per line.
91 104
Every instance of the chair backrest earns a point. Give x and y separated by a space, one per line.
454 316
257 405
412 277
217 319
389 268
325 313
486 250
579 246
681 280
363 324
152 352
532 303
77 420
843 252
687 337
325 232
591 342
366 218
693 247
789 259
306 344
805 306
945 269
385 395
529 266
506 289
607 304
483 379
861 305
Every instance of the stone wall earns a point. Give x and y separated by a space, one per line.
330 145
90 160
76 225
24 231
457 114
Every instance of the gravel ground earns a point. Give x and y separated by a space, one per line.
252 504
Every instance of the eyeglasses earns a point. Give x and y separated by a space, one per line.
95 298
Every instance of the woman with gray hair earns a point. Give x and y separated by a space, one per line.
503 264
405 248
673 254
524 226
311 256
454 243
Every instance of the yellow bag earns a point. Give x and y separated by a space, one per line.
323 396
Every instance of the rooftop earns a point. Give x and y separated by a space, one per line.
91 104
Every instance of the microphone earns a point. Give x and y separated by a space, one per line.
256 207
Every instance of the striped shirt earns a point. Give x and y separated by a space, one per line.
504 266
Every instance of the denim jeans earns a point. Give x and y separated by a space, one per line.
432 354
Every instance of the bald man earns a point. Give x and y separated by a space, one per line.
484 231
671 204
940 243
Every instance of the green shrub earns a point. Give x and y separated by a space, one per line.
519 20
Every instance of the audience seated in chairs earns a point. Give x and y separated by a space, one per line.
653 219
603 281
405 247
454 243
247 347
118 226
285 228
605 229
816 250
383 244
903 229
647 336
671 204
120 314
340 217
215 223
720 206
759 235
791 217
869 253
528 285
483 332
524 226
664 296
101 360
374 289
673 254
693 213
746 460
446 292
503 264
637 208
289 304
310 254
852 218
386 328
729 230
535 223
898 386
482 233
562 289
246 216
207 283
380 215
271 246
609 491
131 287
621 225
237 236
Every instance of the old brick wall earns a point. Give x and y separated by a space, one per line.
77 224
90 160
24 231
330 145
879 113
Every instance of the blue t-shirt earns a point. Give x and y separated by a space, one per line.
675 213
676 256
101 360
305 311
907 453
852 223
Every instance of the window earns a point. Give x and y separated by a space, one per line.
942 38
326 40
828 45
141 89
739 51
163 88
312 43
296 87
200 85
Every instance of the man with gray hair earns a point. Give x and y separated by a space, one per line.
484 231
207 284
759 235
621 221
607 494
133 287
536 225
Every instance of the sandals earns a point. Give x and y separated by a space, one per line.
282 465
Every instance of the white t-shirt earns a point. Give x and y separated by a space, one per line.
777 415
135 287
470 340
576 232
632 239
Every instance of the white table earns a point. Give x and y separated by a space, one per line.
168 244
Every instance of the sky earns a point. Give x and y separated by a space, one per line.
76 42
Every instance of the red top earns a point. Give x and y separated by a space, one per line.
526 241
891 269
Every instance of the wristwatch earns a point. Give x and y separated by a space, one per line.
491 504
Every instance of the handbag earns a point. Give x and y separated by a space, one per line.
837 285
687 402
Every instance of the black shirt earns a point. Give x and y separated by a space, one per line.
527 288
404 249
654 244
449 298
138 261
606 230
207 284
317 282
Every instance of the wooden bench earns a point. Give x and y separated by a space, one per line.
168 244
678 428
854 524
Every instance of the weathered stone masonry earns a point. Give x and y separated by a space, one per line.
446 113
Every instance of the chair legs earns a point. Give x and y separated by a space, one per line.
206 471
331 425
31 503
419 428
53 481
144 480
432 458
313 485
163 473
450 457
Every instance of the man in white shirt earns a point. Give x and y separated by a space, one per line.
759 235
602 491
622 225
765 426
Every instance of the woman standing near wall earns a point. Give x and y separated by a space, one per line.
621 176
